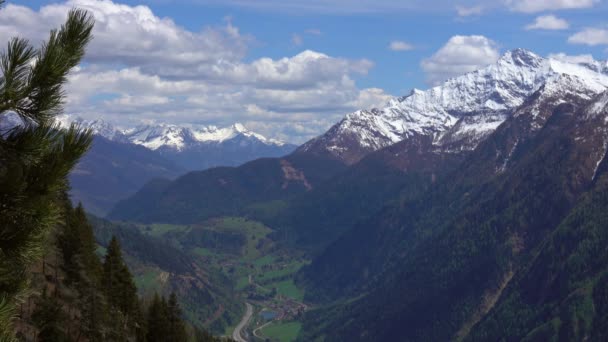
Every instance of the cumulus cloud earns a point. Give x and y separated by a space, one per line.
398 45
143 68
132 35
548 22
461 54
535 6
590 36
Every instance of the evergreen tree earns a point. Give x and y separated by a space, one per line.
118 281
177 328
158 320
36 157
49 318
78 247
121 294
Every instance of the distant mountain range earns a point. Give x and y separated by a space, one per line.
473 211
192 148
121 161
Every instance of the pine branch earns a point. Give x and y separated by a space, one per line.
40 97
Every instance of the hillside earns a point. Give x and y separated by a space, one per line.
159 267
112 171
222 191
438 264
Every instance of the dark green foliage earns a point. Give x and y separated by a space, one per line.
78 247
164 320
35 158
157 320
223 191
561 294
187 273
118 283
147 249
50 319
177 329
438 265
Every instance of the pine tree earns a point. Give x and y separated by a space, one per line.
36 157
177 328
121 292
158 320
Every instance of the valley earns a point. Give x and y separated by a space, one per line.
425 228
135 206
260 271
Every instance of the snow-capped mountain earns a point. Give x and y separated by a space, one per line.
191 147
459 113
180 138
159 136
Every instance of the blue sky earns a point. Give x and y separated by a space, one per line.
236 60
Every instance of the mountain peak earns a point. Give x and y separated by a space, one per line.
239 127
165 135
522 57
468 107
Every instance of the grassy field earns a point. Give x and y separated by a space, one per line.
289 289
284 332
281 271
242 282
265 260
254 232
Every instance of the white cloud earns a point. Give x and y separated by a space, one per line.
590 36
132 36
296 39
535 6
548 22
572 59
464 11
143 68
461 54
398 45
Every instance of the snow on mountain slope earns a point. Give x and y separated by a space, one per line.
459 113
168 136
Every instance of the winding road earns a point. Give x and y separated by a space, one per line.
236 334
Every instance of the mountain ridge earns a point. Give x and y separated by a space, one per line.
164 135
460 112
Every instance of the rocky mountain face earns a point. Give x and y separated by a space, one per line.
193 148
458 114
